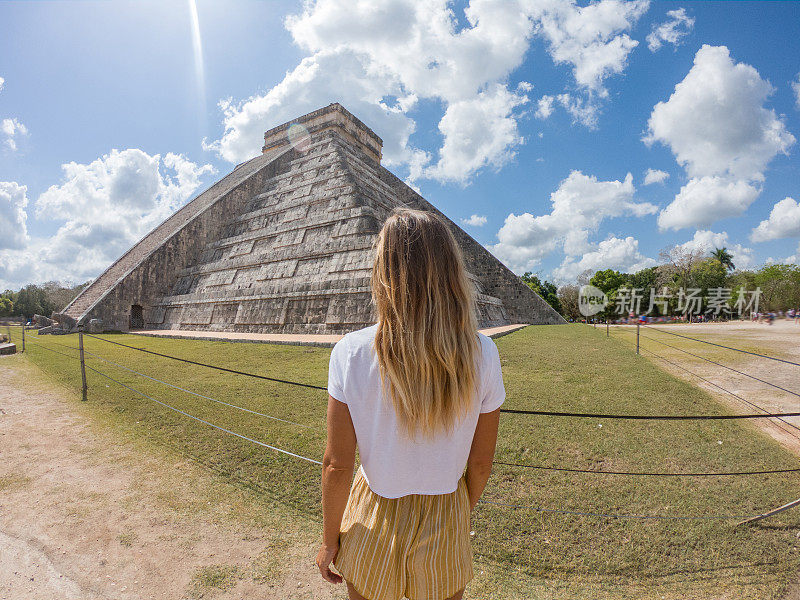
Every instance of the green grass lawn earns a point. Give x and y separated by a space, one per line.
520 552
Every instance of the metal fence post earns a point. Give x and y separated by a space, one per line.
637 337
84 389
23 337
606 327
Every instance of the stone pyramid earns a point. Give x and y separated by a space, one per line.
282 245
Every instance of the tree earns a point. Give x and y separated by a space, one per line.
609 280
677 266
568 298
6 306
724 258
32 300
545 289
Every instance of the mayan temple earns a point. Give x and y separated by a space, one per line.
282 245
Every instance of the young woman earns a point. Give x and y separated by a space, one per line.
419 393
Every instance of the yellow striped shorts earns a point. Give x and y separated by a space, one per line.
415 546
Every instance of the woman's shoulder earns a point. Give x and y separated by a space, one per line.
359 339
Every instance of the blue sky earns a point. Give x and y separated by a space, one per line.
529 115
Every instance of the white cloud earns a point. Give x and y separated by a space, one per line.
380 58
2 83
612 253
103 208
13 218
12 129
590 38
715 122
584 110
655 176
579 205
796 90
474 221
478 132
670 32
544 107
783 222
717 126
706 241
704 200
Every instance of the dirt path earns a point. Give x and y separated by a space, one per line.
86 515
781 339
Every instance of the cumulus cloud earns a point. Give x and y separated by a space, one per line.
2 83
544 107
670 32
380 59
102 209
704 200
582 110
783 222
717 127
474 221
590 38
579 205
480 131
13 218
796 90
12 129
655 176
613 253
706 241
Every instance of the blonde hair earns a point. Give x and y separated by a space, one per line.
426 342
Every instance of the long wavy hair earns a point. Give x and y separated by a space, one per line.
426 342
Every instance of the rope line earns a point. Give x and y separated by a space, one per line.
789 362
239 435
111 362
738 397
619 516
783 389
218 368
549 413
510 464
648 473
502 410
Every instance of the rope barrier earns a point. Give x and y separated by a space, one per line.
723 346
743 400
110 362
514 506
783 389
737 396
511 464
177 410
218 368
648 473
620 516
502 410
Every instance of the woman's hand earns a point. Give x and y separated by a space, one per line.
325 557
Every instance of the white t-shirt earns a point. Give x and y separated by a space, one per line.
393 464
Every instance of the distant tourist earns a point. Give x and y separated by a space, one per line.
419 394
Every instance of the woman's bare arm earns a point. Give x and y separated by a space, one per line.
481 455
337 474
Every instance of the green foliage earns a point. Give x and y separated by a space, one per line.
709 273
6 306
39 299
724 258
548 291
609 280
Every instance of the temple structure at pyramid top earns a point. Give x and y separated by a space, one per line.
283 244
